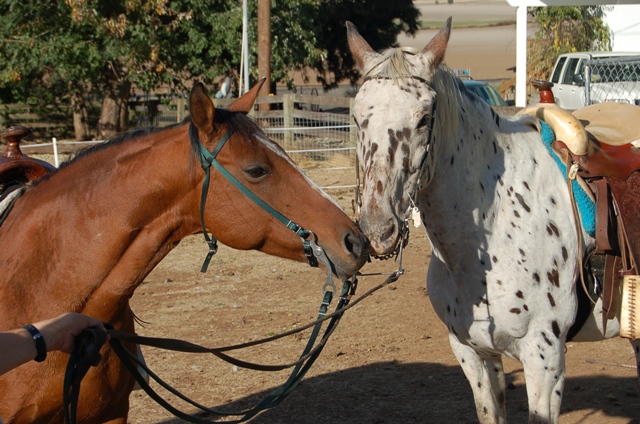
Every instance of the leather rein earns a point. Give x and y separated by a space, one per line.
88 344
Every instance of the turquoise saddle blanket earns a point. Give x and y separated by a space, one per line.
586 206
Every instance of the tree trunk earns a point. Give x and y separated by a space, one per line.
114 116
80 121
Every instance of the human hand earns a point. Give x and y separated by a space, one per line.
59 333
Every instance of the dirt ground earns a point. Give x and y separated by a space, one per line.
389 361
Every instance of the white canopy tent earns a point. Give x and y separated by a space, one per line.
521 34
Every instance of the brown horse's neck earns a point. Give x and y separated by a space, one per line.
134 199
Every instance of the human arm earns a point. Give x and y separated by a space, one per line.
18 347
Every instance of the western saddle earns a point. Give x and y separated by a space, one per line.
600 144
17 170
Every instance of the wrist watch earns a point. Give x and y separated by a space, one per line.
38 339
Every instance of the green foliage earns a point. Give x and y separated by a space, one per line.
294 42
50 48
564 29
41 51
378 21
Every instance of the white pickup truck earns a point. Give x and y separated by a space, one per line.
614 77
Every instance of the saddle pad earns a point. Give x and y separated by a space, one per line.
611 123
630 308
586 206
7 200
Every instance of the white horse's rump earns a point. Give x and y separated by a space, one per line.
497 212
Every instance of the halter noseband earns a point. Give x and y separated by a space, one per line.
207 159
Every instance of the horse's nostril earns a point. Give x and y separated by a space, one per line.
390 231
353 244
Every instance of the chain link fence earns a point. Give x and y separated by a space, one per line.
615 79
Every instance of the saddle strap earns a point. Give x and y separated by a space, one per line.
622 238
629 319
626 194
577 221
612 266
603 221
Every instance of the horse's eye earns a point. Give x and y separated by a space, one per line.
256 172
423 122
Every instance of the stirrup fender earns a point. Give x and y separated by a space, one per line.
566 126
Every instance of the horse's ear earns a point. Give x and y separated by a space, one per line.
201 108
360 49
245 102
438 44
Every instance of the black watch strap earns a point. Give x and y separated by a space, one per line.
38 339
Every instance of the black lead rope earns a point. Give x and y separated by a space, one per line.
85 356
78 367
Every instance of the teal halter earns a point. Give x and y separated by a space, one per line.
208 159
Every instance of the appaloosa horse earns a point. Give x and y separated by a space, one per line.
497 212
84 238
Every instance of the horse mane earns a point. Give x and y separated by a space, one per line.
450 94
452 97
116 140
236 121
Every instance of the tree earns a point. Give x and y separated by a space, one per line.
564 29
130 36
64 50
45 57
379 22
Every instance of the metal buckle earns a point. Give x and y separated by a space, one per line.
318 252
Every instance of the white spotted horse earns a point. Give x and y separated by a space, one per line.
504 273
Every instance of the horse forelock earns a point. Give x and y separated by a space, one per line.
399 64
239 123
236 122
393 63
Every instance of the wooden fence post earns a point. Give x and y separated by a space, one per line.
287 108
180 106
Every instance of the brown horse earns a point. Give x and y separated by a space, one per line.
85 237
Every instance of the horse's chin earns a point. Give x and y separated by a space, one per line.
383 248
344 269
